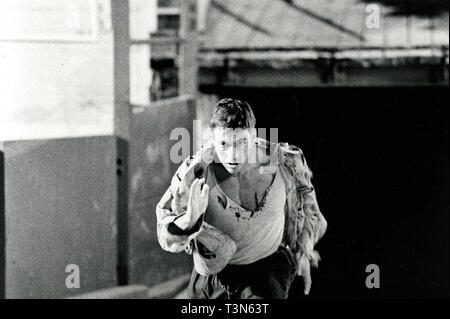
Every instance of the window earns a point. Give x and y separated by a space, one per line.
168 3
169 23
164 61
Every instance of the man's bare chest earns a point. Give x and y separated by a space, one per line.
247 191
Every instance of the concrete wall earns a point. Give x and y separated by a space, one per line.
61 207
65 192
53 82
150 173
66 203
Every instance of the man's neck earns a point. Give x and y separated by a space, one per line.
222 174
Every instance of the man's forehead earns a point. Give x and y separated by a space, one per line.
231 133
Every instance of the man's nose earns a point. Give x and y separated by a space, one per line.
231 154
234 154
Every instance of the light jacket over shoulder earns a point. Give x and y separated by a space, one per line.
305 224
174 202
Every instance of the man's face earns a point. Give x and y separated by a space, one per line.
233 147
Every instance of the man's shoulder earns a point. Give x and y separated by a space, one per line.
294 161
194 164
281 150
290 149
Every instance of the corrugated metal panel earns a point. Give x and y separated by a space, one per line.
318 23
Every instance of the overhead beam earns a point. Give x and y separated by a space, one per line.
326 75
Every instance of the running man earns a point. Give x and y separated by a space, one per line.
245 209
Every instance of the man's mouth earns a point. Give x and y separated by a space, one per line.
233 164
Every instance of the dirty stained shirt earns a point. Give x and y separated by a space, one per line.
304 223
257 233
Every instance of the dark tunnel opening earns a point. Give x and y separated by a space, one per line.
381 173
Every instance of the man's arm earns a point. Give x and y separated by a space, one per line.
311 224
314 223
179 210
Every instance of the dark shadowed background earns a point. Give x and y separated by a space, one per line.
380 163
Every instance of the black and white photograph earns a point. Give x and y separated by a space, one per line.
224 149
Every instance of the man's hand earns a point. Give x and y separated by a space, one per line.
198 199
304 269
196 206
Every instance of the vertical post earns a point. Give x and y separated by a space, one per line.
122 108
188 59
122 123
188 63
